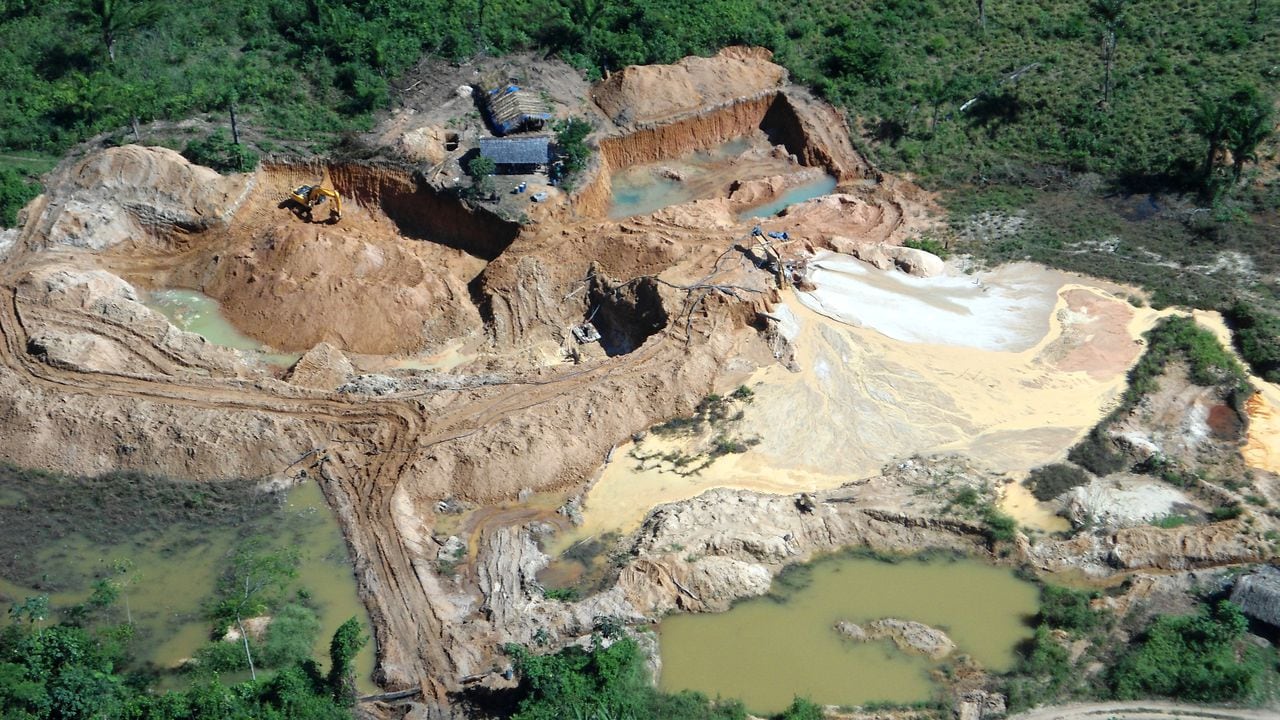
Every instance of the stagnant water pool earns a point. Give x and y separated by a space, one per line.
175 570
765 651
195 312
798 194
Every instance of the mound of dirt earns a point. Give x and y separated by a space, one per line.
133 193
295 285
638 95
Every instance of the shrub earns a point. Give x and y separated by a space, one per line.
603 683
1191 657
1098 454
802 709
290 637
1066 608
15 192
1000 527
1257 336
929 245
571 144
218 152
1050 481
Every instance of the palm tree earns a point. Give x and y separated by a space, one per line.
114 18
1110 14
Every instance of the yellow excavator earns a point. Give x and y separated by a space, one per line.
309 196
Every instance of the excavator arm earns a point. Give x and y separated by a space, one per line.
309 196
318 195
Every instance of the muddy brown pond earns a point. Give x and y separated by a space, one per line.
765 651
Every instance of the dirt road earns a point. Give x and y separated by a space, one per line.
1144 710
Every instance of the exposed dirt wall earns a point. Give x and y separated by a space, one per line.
423 212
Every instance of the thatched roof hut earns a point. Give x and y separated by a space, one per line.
511 108
1258 595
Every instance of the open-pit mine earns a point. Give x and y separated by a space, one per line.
479 387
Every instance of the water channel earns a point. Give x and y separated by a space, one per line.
765 651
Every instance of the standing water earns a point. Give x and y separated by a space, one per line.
798 194
195 312
768 650
173 558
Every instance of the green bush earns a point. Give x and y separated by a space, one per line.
1196 658
290 637
1067 609
1000 527
1043 671
1097 453
15 192
1257 337
929 245
802 709
218 152
603 683
1050 481
571 145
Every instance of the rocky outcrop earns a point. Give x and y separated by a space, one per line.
135 193
734 541
909 636
1123 501
979 705
56 299
913 261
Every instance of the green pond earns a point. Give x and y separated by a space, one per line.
195 312
175 570
765 651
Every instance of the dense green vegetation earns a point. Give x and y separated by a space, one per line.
610 682
16 190
1197 657
1202 657
938 89
1257 337
78 667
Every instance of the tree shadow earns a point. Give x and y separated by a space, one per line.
993 112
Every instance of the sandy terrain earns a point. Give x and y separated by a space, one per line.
861 398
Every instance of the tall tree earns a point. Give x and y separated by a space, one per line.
1238 121
982 14
1109 14
1251 123
343 648
114 18
250 586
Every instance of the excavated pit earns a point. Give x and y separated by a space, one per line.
390 278
710 155
625 315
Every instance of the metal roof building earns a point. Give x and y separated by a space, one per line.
511 109
531 150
